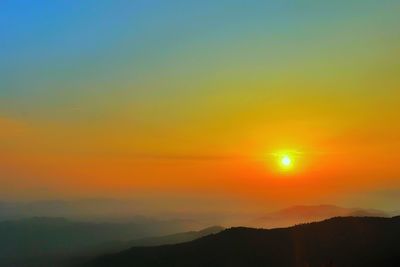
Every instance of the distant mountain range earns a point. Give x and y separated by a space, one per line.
49 241
304 214
340 242
93 210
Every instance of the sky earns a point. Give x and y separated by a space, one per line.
190 105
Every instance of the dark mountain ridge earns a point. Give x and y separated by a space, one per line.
310 213
340 241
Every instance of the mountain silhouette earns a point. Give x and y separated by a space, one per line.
174 238
116 246
340 241
304 214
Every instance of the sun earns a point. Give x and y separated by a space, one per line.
285 162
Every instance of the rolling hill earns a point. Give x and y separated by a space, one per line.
310 213
174 238
340 241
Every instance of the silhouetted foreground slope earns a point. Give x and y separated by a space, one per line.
347 241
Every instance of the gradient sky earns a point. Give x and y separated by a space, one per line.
191 100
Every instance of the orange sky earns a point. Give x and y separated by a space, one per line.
117 106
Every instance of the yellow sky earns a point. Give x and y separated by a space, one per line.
187 106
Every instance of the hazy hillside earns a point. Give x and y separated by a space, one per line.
175 238
117 246
48 238
304 214
350 241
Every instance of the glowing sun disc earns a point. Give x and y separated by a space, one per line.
285 162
